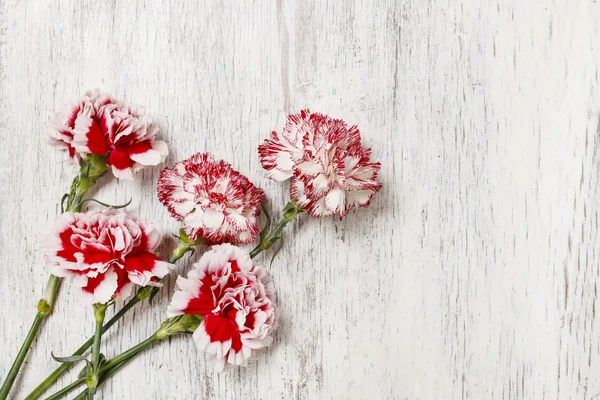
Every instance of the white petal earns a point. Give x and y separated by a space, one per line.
153 156
106 289
279 175
335 200
179 302
360 197
126 173
213 219
284 161
309 167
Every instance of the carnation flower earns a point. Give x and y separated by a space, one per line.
331 169
235 299
105 253
213 201
99 124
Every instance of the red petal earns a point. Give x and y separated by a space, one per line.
140 147
68 251
122 279
204 303
141 262
119 159
234 266
220 329
90 258
250 320
96 142
93 283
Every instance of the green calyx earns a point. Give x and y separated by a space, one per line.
290 211
91 168
269 237
184 239
99 311
185 244
187 323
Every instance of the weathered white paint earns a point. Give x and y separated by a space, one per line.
474 274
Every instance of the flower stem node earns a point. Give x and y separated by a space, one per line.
44 307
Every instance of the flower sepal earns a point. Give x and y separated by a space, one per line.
185 240
290 211
187 323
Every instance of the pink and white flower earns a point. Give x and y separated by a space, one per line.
99 124
105 253
214 201
236 300
331 170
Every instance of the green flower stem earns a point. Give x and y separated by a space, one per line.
105 376
107 370
94 375
81 396
64 391
143 293
172 326
14 370
91 169
290 211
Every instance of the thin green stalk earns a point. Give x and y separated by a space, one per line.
268 238
105 376
129 354
145 292
92 378
53 377
106 371
64 391
172 326
14 369
81 396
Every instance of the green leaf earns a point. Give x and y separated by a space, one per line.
62 203
84 371
279 240
267 228
108 205
152 295
70 359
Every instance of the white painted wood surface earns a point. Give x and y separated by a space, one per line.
474 274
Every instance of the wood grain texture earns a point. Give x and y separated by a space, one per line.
473 275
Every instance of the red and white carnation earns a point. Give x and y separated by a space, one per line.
236 300
105 253
99 124
214 201
332 171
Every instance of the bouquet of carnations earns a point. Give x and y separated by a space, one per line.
227 301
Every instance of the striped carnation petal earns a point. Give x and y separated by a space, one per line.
214 201
331 171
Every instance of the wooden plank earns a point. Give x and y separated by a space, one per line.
473 275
